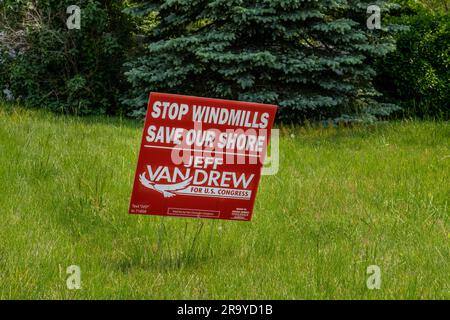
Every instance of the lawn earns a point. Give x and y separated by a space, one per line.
343 199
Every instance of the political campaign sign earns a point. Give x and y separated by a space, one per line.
201 157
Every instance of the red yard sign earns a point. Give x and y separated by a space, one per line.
201 157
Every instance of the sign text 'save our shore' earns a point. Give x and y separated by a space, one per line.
201 157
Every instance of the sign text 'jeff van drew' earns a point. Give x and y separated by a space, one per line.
201 157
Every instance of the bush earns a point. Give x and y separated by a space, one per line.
312 58
73 71
417 74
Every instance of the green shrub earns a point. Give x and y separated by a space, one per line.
417 74
73 71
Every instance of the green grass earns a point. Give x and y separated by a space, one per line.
343 199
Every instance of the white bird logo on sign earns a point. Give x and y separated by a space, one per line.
168 190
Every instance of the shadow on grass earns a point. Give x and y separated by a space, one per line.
170 261
170 251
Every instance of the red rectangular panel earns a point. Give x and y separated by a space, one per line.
201 157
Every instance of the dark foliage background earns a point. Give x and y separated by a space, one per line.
316 59
312 58
72 71
417 75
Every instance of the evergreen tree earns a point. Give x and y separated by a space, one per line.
310 57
